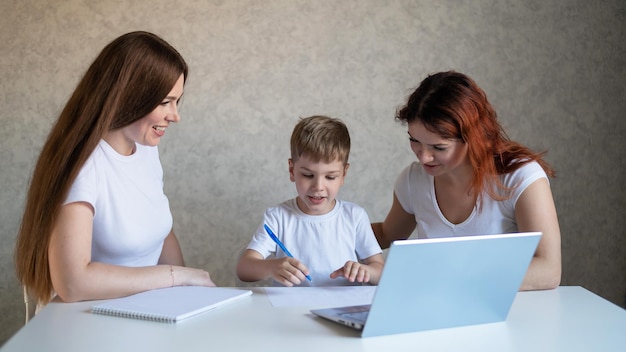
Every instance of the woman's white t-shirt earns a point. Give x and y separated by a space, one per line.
132 216
415 190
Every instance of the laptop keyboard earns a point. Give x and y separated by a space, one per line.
356 313
358 316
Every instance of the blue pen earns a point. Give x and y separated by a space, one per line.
280 244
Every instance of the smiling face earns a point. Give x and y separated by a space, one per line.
149 129
317 183
437 155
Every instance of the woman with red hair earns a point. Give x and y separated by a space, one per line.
471 179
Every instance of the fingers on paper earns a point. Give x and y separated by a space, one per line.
353 272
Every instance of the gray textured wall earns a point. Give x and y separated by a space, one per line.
553 69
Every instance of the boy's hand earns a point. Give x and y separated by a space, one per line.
288 271
353 272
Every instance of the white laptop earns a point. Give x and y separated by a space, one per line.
442 283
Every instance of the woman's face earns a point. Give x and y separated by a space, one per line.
149 129
437 155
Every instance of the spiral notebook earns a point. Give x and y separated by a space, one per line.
170 305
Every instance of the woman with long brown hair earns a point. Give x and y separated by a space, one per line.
96 223
471 179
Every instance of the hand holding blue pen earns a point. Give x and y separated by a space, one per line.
280 244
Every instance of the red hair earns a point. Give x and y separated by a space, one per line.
453 106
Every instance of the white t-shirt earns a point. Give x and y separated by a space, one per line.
324 243
415 190
132 214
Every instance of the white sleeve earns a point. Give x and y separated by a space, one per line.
402 189
524 177
85 186
261 241
366 243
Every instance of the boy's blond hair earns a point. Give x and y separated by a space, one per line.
321 138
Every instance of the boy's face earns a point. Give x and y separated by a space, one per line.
317 183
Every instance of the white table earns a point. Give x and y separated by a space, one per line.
565 319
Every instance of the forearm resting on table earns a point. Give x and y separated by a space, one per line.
252 267
104 281
542 274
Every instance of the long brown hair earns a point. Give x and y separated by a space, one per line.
127 80
453 106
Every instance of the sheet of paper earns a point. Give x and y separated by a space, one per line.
320 297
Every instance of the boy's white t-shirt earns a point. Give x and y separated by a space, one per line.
415 190
324 243
132 214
